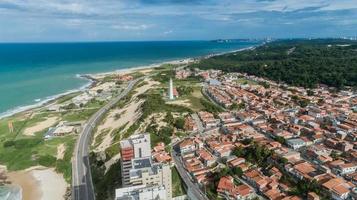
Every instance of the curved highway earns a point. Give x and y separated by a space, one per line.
82 185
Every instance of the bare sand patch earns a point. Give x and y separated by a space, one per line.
52 185
29 185
185 102
61 149
107 141
146 87
39 183
129 115
30 131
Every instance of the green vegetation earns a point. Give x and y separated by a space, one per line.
184 90
180 123
18 151
155 103
211 107
105 183
254 153
163 135
66 97
296 62
244 81
79 115
177 183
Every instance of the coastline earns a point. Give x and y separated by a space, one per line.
92 77
39 183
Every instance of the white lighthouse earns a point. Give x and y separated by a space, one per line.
171 90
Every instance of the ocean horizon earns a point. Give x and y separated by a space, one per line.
32 73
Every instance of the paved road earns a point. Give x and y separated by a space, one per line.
193 187
198 122
82 185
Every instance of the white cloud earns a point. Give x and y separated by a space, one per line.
168 32
131 27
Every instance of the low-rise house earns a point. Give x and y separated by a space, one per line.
206 157
338 188
303 170
160 155
187 146
256 179
228 190
190 124
227 117
295 143
235 162
208 119
312 196
288 154
341 168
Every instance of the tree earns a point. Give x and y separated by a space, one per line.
280 139
311 63
180 123
234 106
238 152
238 171
310 93
169 118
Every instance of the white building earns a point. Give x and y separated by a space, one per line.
138 169
295 143
141 192
144 172
137 146
347 168
171 90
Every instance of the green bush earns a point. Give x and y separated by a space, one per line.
47 161
27 143
9 143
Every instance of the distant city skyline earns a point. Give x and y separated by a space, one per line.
139 20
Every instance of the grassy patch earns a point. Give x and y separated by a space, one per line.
244 81
105 183
67 97
64 165
78 115
177 183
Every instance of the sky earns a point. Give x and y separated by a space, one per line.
137 20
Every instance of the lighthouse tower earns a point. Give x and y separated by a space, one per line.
171 90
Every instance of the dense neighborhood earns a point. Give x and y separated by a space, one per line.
266 141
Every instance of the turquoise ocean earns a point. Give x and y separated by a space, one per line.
32 73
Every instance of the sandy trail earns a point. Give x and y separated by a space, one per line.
61 149
30 131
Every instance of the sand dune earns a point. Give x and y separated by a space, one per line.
30 131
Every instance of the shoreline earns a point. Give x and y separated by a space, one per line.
92 77
35 184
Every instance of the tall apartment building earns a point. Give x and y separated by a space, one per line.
145 172
137 146
139 171
141 192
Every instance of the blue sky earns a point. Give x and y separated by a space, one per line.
100 20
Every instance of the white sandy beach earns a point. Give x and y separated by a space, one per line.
39 183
